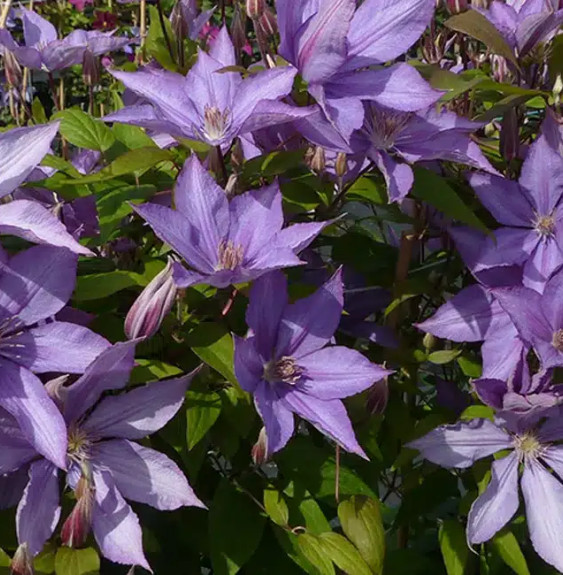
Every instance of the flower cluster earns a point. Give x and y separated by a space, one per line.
236 236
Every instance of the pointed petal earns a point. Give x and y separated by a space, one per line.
544 260
57 346
308 324
23 396
501 352
328 416
256 217
31 221
110 370
249 368
552 301
291 15
462 444
299 236
115 525
12 486
37 31
21 150
278 419
139 412
144 115
39 509
222 48
145 475
267 303
336 372
272 113
175 229
493 509
322 47
384 29
16 450
399 177
37 283
184 278
543 494
493 192
399 87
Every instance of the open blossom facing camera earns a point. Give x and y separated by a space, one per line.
286 364
226 242
104 465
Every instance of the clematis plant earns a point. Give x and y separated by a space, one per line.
287 366
210 104
226 242
104 464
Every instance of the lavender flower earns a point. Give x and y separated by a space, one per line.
333 44
226 242
35 285
185 17
284 363
104 464
530 212
462 444
208 105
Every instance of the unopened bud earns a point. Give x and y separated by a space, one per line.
428 341
499 65
255 8
77 526
178 22
150 308
341 165
238 29
557 90
12 70
22 562
90 69
433 47
316 159
259 450
510 135
457 6
268 23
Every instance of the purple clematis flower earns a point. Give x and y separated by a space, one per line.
105 466
21 150
226 242
532 235
333 44
44 51
524 23
462 444
188 18
285 364
34 286
209 105
538 318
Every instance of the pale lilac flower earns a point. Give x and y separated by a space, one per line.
226 242
102 459
533 446
209 105
286 364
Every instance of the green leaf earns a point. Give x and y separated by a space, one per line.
443 356
155 44
151 369
433 189
361 521
132 136
474 24
5 559
98 286
276 507
454 547
506 545
470 367
203 409
305 511
38 112
83 131
365 188
478 412
344 554
313 551
213 344
235 529
77 561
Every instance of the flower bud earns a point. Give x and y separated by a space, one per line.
77 526
341 165
316 159
510 135
255 8
259 450
268 23
238 29
429 342
22 562
150 308
90 69
457 6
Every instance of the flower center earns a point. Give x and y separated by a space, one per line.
215 123
544 225
78 444
384 126
230 255
527 445
557 341
285 369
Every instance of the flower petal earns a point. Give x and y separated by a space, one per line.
278 419
16 450
494 508
39 509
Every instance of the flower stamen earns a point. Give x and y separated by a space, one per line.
230 256
283 370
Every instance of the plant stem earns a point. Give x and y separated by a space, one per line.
164 30
5 11
142 29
